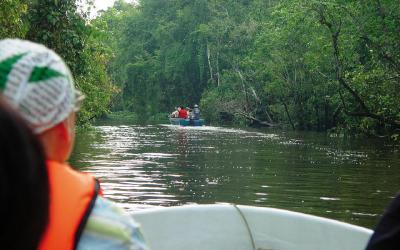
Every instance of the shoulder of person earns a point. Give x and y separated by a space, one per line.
387 232
110 227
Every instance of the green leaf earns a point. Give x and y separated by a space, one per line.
6 67
43 74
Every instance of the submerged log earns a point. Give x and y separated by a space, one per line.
256 120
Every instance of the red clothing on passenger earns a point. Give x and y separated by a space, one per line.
183 114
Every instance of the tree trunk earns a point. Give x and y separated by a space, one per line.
209 63
218 74
288 115
244 89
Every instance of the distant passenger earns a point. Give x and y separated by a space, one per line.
175 114
183 114
196 112
189 112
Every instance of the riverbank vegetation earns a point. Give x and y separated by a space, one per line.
127 117
308 65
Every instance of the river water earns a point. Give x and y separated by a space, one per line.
347 179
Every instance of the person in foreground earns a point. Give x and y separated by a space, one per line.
35 81
386 235
24 186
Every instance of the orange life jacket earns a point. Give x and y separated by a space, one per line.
72 197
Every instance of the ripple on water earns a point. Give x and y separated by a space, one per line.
145 166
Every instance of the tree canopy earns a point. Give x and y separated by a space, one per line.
320 65
317 65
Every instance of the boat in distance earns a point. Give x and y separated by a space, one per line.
186 122
230 227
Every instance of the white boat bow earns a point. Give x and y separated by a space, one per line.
225 226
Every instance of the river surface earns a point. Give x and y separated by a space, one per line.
347 179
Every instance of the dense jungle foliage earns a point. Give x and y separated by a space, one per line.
316 65
63 27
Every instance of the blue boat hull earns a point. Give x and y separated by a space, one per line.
186 122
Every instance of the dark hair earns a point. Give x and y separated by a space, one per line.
24 186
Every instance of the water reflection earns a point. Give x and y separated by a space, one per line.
145 166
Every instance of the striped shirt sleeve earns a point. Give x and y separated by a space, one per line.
109 227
